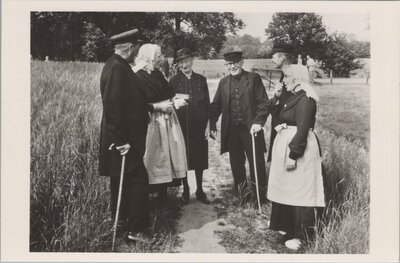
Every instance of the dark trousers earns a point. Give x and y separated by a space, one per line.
134 206
240 146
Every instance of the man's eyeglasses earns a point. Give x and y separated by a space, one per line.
229 64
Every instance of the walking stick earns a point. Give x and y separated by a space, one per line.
255 172
119 201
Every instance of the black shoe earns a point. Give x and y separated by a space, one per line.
202 197
142 237
185 197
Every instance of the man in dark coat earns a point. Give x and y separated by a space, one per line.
242 100
281 58
123 132
193 119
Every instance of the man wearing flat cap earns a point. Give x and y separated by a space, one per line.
193 119
242 101
123 132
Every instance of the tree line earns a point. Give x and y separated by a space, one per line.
83 36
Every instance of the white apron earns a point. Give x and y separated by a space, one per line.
302 186
165 156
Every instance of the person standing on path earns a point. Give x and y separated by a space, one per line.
123 132
295 185
281 57
165 157
242 100
193 119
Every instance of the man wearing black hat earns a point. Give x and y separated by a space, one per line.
193 120
123 132
281 57
242 100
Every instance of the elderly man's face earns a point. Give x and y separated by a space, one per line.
234 68
158 58
186 64
278 59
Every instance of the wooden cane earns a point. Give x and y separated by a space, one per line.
119 201
255 172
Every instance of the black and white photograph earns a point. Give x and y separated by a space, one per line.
189 131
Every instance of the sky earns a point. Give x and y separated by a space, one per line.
347 23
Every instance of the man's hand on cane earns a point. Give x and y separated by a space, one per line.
255 128
123 149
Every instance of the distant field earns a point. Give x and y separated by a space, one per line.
216 68
342 109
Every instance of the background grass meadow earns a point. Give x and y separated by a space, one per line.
69 202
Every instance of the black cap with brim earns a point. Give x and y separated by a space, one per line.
184 53
234 56
130 36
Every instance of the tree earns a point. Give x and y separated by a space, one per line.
305 31
82 35
338 55
251 46
307 34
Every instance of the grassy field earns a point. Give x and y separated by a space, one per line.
343 127
69 203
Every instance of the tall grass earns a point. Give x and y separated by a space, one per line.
69 202
345 228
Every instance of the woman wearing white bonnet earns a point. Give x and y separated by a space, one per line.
295 180
165 156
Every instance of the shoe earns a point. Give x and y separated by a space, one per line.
185 197
202 197
142 237
293 244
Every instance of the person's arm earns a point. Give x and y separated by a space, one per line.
305 114
215 109
113 103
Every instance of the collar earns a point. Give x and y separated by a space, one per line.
188 76
238 76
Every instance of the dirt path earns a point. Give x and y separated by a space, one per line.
199 222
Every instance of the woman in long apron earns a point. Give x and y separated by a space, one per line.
295 181
165 156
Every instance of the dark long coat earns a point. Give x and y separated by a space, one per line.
125 117
253 101
275 105
299 111
193 118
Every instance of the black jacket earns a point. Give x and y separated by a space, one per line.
253 102
125 117
193 118
299 111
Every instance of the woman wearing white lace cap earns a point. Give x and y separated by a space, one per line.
295 180
165 156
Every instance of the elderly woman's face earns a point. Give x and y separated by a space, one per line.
290 81
186 64
158 58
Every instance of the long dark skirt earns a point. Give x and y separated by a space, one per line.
296 221
196 149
